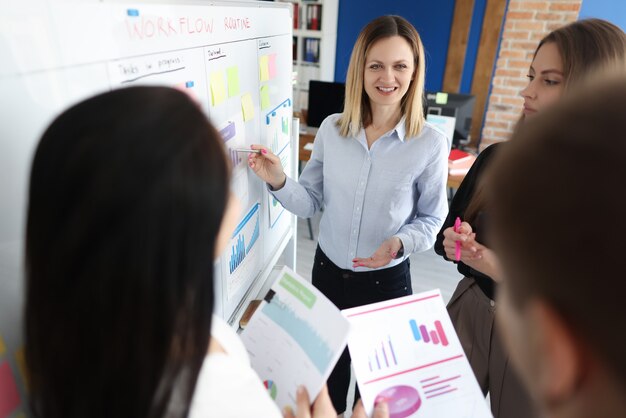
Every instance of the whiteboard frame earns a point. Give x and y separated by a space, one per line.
287 244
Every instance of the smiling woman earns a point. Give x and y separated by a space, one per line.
388 74
378 169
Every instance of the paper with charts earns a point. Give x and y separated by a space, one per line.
294 338
406 351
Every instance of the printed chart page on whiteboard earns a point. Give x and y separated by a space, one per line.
294 338
406 351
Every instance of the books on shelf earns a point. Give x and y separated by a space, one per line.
457 156
307 16
313 16
311 50
296 16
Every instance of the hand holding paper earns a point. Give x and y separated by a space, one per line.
405 351
289 340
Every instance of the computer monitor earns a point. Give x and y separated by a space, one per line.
325 98
459 106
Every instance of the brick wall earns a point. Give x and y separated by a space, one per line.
526 23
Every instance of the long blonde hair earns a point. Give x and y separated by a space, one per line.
589 48
586 46
357 112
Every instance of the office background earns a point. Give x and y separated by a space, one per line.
518 27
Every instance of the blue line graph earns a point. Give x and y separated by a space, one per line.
254 237
238 253
243 239
301 331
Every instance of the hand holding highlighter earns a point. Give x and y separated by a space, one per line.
457 244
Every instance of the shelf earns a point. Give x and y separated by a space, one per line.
309 33
313 49
307 64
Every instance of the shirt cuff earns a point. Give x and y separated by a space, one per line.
284 191
407 244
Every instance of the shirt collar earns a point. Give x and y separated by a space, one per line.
400 129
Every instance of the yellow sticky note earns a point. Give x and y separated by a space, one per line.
265 97
3 348
20 360
232 75
441 98
264 67
247 107
218 88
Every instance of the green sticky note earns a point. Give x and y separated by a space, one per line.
247 107
264 68
218 88
265 97
298 290
232 75
441 98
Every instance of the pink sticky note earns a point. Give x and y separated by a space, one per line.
272 64
9 396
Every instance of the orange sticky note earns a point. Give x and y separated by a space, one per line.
9 396
3 348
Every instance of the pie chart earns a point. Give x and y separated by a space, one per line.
402 400
271 388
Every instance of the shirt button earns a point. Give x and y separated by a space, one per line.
493 303
358 208
377 282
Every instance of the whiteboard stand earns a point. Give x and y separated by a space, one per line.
290 251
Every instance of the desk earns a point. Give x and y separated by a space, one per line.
307 136
455 181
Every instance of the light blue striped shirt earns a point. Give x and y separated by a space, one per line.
396 188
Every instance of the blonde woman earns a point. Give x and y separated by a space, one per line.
378 169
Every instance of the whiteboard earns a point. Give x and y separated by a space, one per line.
233 59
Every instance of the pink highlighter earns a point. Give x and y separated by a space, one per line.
457 244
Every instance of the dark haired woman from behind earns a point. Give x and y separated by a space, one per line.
129 205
